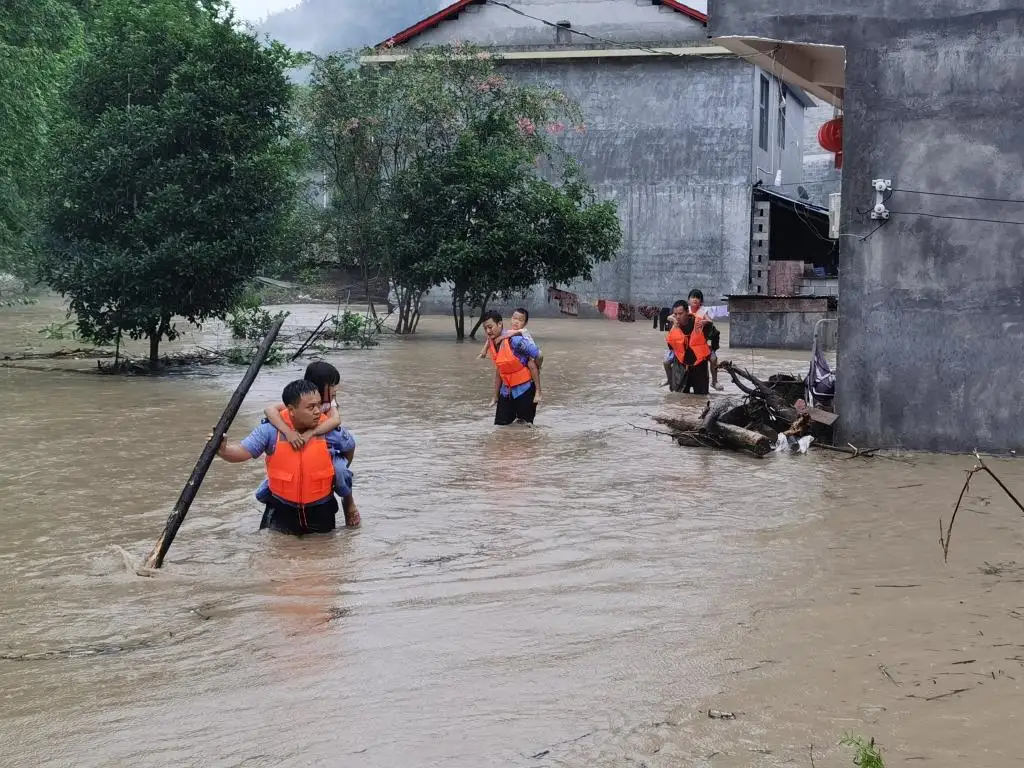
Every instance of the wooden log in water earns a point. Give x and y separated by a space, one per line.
742 439
683 422
309 339
188 493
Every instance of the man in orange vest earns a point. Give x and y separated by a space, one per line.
516 375
687 361
302 482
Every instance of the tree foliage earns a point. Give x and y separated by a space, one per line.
489 226
431 168
177 173
37 40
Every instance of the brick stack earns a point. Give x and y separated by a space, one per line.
784 277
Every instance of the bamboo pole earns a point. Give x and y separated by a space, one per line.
188 493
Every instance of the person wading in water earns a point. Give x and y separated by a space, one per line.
302 482
340 441
516 376
686 363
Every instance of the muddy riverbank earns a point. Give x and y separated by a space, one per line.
577 594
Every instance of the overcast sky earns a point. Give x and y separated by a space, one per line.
254 10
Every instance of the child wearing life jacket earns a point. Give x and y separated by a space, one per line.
340 441
697 309
517 323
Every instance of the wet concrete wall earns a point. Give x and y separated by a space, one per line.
781 323
931 317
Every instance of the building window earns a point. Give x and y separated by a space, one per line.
762 139
780 130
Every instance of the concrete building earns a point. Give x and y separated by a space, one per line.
678 131
931 318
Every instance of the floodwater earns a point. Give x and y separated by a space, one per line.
568 595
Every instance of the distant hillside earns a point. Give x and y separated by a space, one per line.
325 26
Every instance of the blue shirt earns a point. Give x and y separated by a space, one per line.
525 350
263 439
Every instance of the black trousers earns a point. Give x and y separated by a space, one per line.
509 409
313 518
694 379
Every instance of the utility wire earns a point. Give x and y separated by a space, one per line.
633 46
959 197
771 54
636 47
955 218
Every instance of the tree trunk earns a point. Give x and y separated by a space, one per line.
459 313
404 297
415 313
480 320
162 329
414 317
366 287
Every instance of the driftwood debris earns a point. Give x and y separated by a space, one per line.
980 466
752 424
721 425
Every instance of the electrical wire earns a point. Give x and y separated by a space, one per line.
632 46
771 54
959 197
956 218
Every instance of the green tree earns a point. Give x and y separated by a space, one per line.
177 178
37 40
369 126
486 223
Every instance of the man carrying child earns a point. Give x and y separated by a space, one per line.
516 373
691 342
301 482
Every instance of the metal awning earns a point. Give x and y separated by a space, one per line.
791 201
818 69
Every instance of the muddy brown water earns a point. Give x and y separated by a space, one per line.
515 597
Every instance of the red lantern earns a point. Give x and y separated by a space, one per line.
830 137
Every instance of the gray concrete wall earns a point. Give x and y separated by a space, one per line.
785 149
779 330
782 323
931 319
631 21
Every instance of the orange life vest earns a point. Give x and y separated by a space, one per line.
699 344
510 368
304 476
679 341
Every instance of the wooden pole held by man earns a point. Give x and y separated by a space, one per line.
188 493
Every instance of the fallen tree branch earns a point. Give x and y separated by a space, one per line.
761 390
309 339
981 466
673 435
